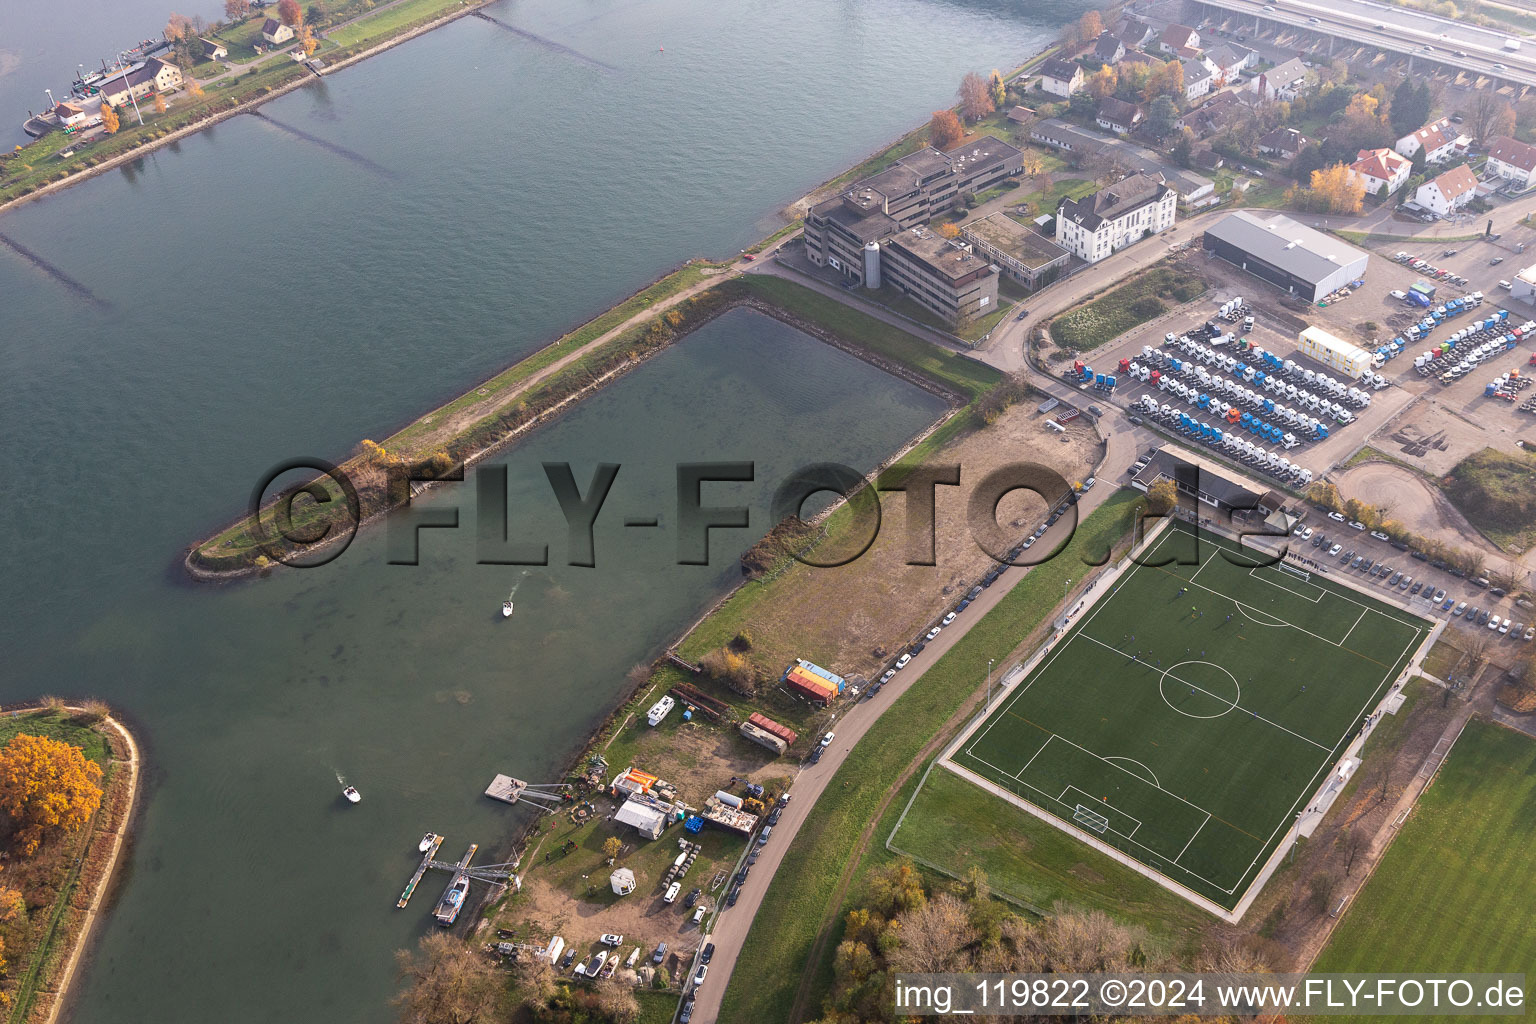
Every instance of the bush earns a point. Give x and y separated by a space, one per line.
1130 305
1495 490
734 671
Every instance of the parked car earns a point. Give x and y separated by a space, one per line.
901 662
672 891
1445 605
1439 594
708 954
1504 627
692 897
889 673
828 738
567 960
1494 622
699 975
1395 577
1354 563
610 939
1337 517
1482 617
934 632
762 837
1356 525
660 954
1530 632
1404 583
1336 549
686 1013
1306 533
1497 259
949 618
1459 608
1379 535
734 895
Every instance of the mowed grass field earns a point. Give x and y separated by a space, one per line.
1454 891
1188 716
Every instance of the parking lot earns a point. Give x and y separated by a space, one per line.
1331 545
1275 329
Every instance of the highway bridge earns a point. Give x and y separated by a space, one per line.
1422 42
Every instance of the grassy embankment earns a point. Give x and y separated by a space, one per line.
50 880
1126 306
24 171
1496 491
800 899
1450 894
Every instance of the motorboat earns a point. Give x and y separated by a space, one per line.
352 795
506 609
426 842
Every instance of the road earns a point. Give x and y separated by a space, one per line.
1004 350
1395 30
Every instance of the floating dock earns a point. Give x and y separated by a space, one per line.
506 789
421 870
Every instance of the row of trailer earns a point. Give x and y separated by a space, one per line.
1083 375
1260 410
1230 442
1458 355
1507 386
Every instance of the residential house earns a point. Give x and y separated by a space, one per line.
1448 192
1108 47
1093 150
1227 60
1285 143
1021 115
1281 82
1138 57
1197 79
1511 160
1437 140
1376 168
1180 40
1068 138
1134 33
213 49
1118 116
275 32
1112 218
1061 77
140 80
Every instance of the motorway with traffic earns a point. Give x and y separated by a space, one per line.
1414 34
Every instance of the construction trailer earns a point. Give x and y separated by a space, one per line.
1333 352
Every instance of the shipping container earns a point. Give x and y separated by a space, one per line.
767 724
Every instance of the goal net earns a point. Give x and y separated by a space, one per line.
1302 575
1092 819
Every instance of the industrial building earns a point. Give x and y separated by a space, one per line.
1523 285
1333 352
1208 482
849 232
1289 255
943 276
1018 251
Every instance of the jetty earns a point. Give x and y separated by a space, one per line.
462 868
421 870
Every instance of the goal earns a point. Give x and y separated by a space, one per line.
1300 574
1091 818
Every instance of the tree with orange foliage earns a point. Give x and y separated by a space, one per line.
1167 80
236 10
46 786
944 129
289 12
975 97
949 229
1338 189
109 119
178 28
1103 82
193 89
308 41
159 103
1089 26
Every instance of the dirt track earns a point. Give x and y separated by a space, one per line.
1412 499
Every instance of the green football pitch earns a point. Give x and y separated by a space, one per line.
1190 713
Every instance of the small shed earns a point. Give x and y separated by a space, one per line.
622 881
644 818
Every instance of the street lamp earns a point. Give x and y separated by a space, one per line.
989 685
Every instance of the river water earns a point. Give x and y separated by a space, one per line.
251 296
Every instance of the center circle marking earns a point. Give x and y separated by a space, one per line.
1162 688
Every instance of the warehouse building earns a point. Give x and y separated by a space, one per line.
1289 255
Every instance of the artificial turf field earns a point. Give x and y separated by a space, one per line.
1184 738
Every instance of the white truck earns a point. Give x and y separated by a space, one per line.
1511 45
